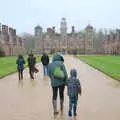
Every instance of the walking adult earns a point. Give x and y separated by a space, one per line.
45 62
20 66
58 75
31 64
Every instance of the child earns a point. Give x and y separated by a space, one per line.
20 66
74 88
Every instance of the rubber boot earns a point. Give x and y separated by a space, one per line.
55 107
61 106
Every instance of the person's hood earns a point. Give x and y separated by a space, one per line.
44 54
56 57
73 73
21 59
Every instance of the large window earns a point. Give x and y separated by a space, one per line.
90 44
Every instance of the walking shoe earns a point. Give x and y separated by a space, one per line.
61 106
56 113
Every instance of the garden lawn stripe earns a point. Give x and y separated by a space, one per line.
107 64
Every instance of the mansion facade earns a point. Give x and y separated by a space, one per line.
10 43
51 41
111 44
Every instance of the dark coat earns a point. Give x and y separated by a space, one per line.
31 61
57 61
45 59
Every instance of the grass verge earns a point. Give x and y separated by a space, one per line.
8 65
109 65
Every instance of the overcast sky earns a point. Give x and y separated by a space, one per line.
25 14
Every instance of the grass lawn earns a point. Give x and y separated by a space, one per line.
107 64
8 65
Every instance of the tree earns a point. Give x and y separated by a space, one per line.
98 40
29 41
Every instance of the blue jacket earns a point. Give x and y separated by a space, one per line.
20 64
74 86
57 61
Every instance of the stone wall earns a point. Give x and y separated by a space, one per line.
10 43
111 44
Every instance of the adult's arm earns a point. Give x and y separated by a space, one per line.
66 75
42 59
48 59
49 70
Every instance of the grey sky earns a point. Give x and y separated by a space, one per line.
25 14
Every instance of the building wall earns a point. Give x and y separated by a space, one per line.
10 43
111 44
52 41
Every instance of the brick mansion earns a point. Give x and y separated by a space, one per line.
78 42
10 43
64 42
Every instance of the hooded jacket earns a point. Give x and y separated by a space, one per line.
57 61
45 59
74 86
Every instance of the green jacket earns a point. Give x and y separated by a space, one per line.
57 61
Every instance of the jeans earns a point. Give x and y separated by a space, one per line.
45 68
72 106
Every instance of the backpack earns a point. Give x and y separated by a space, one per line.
58 73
